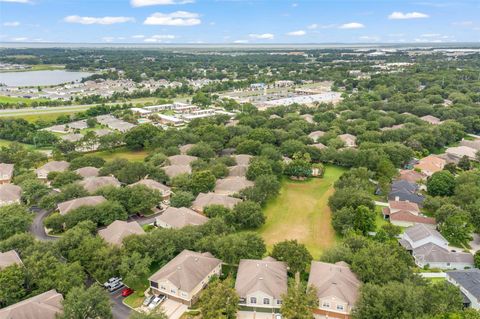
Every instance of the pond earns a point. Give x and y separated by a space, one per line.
41 78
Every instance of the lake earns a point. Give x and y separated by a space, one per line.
41 78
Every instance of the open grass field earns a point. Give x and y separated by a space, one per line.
9 99
122 153
301 212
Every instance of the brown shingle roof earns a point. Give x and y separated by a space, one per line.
92 184
9 258
187 270
181 217
66 207
175 170
232 185
268 276
242 159
237 170
203 200
334 280
181 159
43 306
403 205
54 166
88 171
153 184
6 171
405 216
411 176
118 230
10 193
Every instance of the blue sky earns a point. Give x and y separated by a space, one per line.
239 21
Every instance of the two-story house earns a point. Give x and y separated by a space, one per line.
261 283
337 289
468 281
183 278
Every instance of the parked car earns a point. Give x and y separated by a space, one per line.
115 286
111 281
156 301
140 215
127 292
148 300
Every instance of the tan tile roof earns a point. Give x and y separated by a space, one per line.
9 258
10 193
66 207
92 184
187 270
88 171
431 164
118 230
43 306
411 176
153 184
181 159
335 280
175 170
6 171
232 185
203 200
403 205
242 159
268 276
181 217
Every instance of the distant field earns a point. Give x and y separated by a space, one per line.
8 99
6 143
301 212
122 153
39 67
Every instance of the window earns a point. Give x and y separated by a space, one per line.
173 291
326 304
153 284
266 301
253 300
163 287
279 302
340 307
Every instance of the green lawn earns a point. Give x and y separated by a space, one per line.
9 99
122 153
301 212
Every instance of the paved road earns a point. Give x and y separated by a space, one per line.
37 228
119 310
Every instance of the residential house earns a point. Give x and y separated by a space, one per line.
349 140
206 199
185 148
261 283
308 118
10 194
468 281
92 184
475 144
393 127
431 119
430 164
319 146
53 166
74 137
237 171
405 214
242 159
183 278
402 190
66 207
154 185
175 170
181 159
411 176
47 305
6 173
118 230
429 248
337 289
456 153
88 171
315 135
9 258
177 218
232 185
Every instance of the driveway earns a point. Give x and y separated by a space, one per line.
475 243
254 315
173 309
37 228
119 310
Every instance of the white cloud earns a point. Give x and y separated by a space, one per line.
145 3
397 15
16 1
93 20
297 33
20 39
177 18
240 41
313 26
159 38
430 35
108 39
294 5
263 36
352 25
11 24
138 36
369 38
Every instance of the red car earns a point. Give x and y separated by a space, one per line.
127 292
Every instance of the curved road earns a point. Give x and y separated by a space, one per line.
119 310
